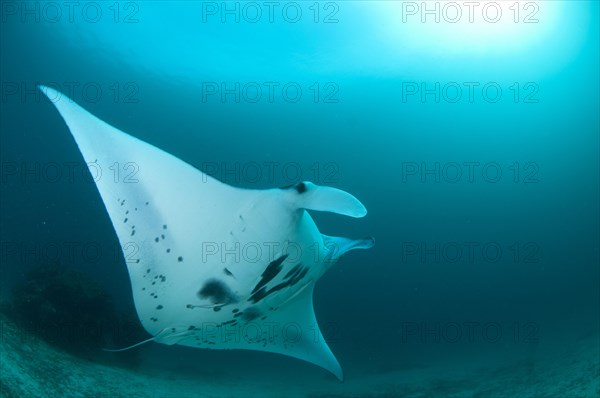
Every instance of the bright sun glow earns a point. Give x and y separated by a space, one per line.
468 26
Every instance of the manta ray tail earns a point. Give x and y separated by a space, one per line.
131 346
162 336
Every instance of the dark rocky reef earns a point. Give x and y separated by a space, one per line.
70 311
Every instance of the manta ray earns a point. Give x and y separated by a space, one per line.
212 265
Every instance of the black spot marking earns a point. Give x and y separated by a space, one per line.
125 220
227 272
162 236
143 288
251 314
165 226
137 260
159 307
298 277
235 310
180 259
258 295
148 271
147 203
153 283
270 272
132 232
163 278
127 212
293 279
217 292
216 309
189 306
300 187
168 250
293 271
156 239
192 327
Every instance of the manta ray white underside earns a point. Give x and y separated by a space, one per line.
211 265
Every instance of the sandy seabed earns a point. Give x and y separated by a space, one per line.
29 367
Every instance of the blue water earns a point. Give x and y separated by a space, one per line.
485 210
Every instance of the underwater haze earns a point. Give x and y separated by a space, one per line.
470 131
